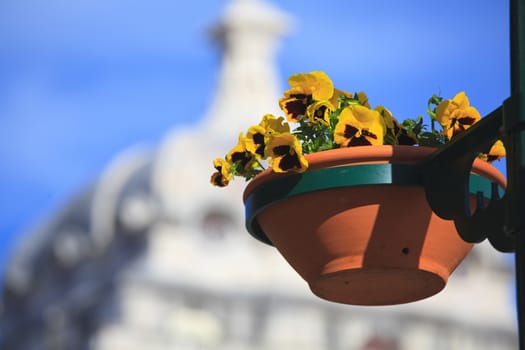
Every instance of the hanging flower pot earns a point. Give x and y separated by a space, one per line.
343 199
357 227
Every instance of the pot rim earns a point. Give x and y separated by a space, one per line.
371 154
353 166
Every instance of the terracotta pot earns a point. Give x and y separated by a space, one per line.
357 227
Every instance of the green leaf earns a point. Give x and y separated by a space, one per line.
390 140
431 139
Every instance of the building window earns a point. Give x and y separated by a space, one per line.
217 224
379 343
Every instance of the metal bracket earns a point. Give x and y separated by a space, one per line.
446 180
445 173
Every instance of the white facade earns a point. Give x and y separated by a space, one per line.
247 293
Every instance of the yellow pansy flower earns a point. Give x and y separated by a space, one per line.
390 122
286 154
223 175
305 88
362 98
497 151
359 97
334 100
256 136
274 125
254 141
319 112
456 115
394 130
359 126
241 157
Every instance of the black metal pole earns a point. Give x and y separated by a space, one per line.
514 123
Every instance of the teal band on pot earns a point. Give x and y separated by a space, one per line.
337 177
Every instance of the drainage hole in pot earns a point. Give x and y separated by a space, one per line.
405 251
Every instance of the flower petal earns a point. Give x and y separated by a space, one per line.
241 157
294 106
286 154
497 151
223 175
319 112
456 115
271 124
316 84
359 126
461 100
255 140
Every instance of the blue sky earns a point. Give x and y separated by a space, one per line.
83 80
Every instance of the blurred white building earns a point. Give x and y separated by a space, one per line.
153 257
